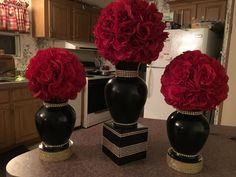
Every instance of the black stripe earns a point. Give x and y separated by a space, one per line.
123 160
124 141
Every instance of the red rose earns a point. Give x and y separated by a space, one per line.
55 75
130 30
194 81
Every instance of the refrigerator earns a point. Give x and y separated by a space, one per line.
178 41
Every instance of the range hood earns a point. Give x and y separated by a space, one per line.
74 45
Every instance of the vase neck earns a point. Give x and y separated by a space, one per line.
131 66
55 105
126 73
193 113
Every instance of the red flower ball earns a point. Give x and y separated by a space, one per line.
130 30
55 75
194 81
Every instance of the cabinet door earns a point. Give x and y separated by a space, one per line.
211 11
24 112
81 24
94 17
59 20
6 127
184 14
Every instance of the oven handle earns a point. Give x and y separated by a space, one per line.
103 110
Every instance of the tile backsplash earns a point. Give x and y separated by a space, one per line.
28 48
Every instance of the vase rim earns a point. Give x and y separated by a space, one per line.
54 105
126 73
190 112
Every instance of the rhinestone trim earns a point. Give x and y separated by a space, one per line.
53 146
183 155
55 105
128 124
128 74
193 113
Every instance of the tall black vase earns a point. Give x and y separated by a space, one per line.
187 132
125 95
55 123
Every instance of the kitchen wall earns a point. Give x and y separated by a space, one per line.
229 111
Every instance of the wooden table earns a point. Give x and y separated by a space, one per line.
219 155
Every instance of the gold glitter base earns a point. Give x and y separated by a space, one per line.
55 156
188 168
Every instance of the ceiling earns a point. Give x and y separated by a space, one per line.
100 3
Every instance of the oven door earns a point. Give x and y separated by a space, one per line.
95 108
96 98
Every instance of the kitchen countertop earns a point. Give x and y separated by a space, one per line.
12 84
88 160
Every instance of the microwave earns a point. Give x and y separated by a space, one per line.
10 44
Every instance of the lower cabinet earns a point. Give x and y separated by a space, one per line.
24 112
7 134
17 112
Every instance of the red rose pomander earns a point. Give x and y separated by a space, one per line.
130 30
194 81
55 75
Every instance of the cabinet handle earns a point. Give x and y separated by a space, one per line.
50 31
182 18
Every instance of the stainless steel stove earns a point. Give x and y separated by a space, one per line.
94 109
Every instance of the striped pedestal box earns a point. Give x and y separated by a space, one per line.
123 146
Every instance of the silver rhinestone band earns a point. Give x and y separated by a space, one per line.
52 146
128 74
55 105
183 155
193 113
128 124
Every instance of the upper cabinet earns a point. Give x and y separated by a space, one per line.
63 19
81 23
186 11
59 20
95 13
212 11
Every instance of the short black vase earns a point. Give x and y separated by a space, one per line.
125 95
55 123
187 132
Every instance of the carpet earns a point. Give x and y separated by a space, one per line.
7 156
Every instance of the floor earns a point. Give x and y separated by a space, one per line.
7 156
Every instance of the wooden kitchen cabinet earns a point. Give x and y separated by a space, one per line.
17 112
63 19
51 19
95 13
7 136
186 11
211 11
59 20
25 107
24 114
81 23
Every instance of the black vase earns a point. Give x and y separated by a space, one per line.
55 123
187 132
125 95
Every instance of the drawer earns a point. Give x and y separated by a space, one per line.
21 94
4 95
